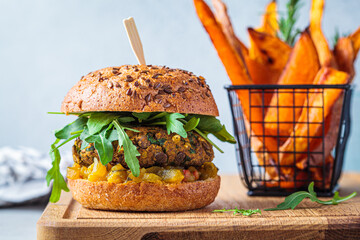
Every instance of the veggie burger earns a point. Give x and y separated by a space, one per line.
141 140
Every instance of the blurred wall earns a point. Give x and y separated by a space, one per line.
47 45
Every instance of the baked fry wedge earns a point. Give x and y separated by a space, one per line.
302 68
268 49
298 141
270 23
325 55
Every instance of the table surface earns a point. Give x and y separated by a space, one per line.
309 220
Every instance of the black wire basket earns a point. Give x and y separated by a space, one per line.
322 160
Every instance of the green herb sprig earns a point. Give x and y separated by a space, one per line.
238 211
294 199
102 128
287 31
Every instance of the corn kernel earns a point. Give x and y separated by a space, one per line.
117 167
176 138
208 170
172 176
139 178
151 177
84 172
117 177
73 173
76 165
98 173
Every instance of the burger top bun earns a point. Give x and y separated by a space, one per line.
141 88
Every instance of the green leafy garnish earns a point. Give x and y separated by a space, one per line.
130 150
104 148
336 37
294 199
191 124
174 125
244 212
99 120
67 131
55 174
103 128
142 115
286 24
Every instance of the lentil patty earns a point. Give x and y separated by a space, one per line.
156 147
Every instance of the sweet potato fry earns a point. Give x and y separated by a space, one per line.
268 49
269 20
223 18
318 175
345 56
301 177
302 68
325 55
260 73
298 142
332 123
355 39
230 58
237 73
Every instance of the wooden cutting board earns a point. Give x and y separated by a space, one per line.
69 220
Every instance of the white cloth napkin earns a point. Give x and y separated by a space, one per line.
22 174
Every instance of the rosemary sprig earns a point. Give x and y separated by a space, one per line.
287 31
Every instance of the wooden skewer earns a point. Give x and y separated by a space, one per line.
134 39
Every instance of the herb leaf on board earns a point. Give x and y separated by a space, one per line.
244 212
294 199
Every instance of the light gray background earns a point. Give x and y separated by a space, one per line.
46 46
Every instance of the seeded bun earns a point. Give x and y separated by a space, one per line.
144 196
140 88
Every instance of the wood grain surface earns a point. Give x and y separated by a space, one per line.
67 219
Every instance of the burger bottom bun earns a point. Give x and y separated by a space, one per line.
145 196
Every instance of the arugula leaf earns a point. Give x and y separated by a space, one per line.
104 147
244 212
84 144
174 125
157 116
67 140
55 174
209 124
207 139
294 199
191 124
66 131
99 120
126 119
142 115
111 135
224 136
130 150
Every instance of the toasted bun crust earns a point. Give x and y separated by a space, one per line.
144 196
140 88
